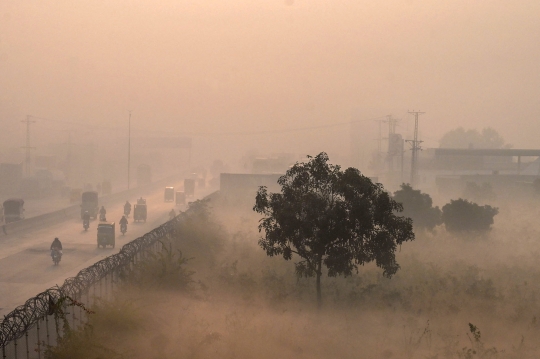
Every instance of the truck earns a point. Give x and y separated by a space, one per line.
89 203
13 210
189 187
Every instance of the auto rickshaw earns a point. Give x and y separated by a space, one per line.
13 210
169 194
139 212
106 234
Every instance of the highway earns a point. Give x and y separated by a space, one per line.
26 267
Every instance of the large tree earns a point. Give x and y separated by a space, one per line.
332 218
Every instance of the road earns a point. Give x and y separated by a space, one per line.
26 268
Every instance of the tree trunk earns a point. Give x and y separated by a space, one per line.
319 296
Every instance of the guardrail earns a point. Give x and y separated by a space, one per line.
74 210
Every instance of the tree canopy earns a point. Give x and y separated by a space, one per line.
461 215
419 207
461 138
332 218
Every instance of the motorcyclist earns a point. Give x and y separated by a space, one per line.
56 245
127 208
102 213
86 216
172 213
123 221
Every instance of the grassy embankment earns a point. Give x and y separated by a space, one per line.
222 297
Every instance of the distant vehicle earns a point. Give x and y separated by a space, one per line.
13 210
123 228
89 203
169 194
106 234
189 187
180 198
139 212
127 209
86 224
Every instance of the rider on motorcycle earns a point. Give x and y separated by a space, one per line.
86 217
102 213
123 221
127 208
56 245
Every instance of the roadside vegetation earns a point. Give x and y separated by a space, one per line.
214 292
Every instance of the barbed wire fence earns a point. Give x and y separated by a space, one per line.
35 325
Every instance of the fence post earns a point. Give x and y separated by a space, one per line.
47 327
26 340
38 343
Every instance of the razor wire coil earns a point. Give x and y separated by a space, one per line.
23 318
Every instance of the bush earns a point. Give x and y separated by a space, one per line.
461 215
161 270
419 207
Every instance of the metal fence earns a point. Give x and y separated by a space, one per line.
31 327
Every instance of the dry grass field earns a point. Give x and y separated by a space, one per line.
454 297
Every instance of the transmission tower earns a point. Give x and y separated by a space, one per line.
28 159
415 148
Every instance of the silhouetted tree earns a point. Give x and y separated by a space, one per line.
461 138
419 207
461 215
333 218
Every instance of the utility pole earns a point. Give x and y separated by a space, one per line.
391 141
129 146
415 147
28 158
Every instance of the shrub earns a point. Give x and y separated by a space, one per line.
419 207
164 270
461 215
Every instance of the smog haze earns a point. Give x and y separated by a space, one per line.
242 75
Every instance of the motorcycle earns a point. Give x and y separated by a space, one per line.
86 224
102 217
56 255
127 211
123 228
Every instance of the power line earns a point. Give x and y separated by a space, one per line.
233 133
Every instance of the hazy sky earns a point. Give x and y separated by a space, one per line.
211 66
